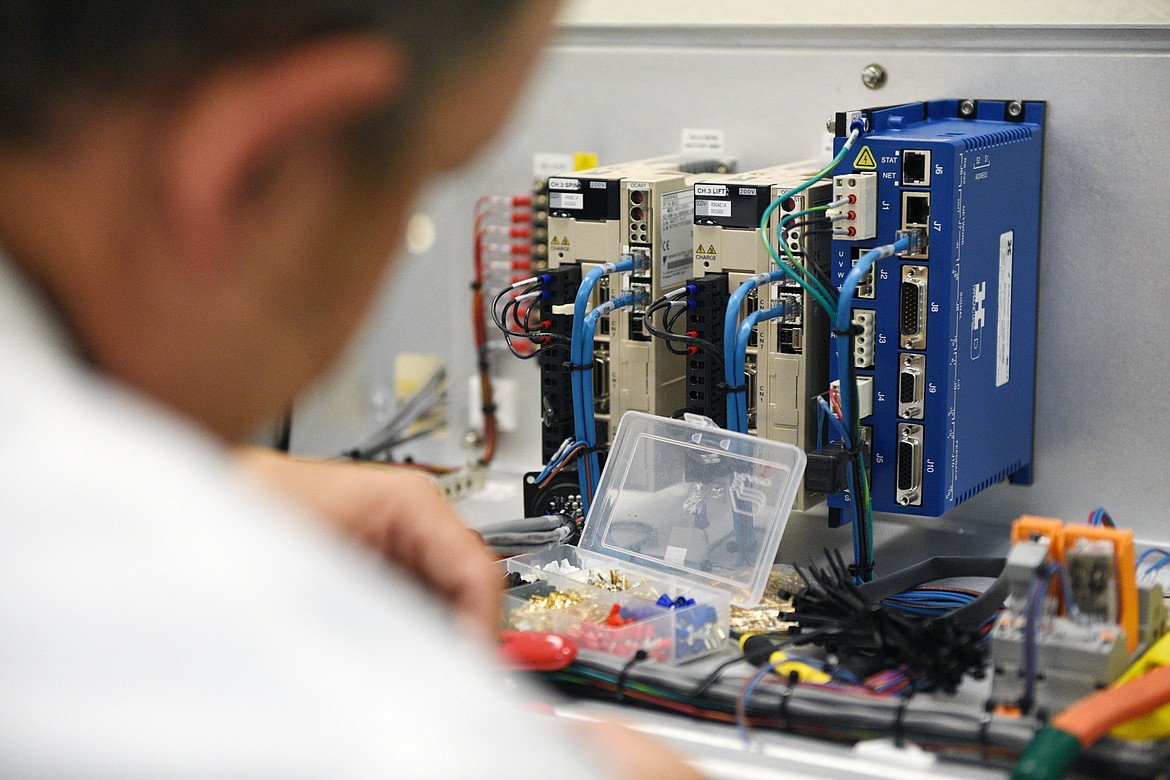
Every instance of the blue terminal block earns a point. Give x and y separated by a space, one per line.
947 333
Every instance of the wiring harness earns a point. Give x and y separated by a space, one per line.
498 219
835 712
581 366
529 534
422 414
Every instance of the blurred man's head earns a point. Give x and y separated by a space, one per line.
209 191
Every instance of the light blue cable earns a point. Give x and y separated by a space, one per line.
742 338
730 321
844 321
861 514
584 390
828 412
854 498
1152 551
584 427
564 455
747 697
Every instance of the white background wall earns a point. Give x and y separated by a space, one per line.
1038 12
623 81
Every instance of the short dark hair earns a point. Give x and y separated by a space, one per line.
54 51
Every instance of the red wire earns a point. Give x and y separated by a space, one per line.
485 208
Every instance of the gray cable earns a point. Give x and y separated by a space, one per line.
538 537
414 408
525 525
923 718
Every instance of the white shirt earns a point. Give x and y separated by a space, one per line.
162 617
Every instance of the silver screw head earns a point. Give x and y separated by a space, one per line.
966 108
874 76
1015 108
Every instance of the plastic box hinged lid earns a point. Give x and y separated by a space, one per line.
691 499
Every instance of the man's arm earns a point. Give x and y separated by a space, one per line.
402 516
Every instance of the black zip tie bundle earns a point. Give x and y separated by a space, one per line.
579 366
852 621
852 330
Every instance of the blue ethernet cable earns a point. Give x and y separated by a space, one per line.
730 321
839 427
744 528
844 323
742 337
581 355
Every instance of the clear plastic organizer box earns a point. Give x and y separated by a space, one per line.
686 522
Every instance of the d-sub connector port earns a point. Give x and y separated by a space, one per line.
909 488
913 307
863 342
912 387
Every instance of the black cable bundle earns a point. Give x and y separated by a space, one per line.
851 622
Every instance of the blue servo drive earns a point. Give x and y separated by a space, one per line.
945 339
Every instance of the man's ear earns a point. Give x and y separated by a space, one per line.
236 120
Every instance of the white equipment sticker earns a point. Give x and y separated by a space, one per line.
566 200
677 237
703 141
1003 333
712 208
546 164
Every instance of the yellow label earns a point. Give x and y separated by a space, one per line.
865 159
584 160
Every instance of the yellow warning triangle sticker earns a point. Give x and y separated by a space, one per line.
711 249
865 159
556 241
